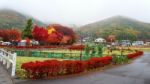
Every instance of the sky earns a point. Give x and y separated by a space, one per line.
79 12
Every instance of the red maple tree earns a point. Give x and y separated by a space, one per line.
40 34
10 34
54 38
54 34
65 31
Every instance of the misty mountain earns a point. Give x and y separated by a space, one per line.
122 27
12 19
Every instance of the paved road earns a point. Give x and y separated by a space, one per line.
137 72
4 77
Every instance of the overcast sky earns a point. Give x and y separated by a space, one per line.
79 12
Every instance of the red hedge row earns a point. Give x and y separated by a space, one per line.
53 68
134 55
76 47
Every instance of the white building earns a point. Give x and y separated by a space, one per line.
100 40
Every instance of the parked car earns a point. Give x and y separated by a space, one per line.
6 43
137 43
125 42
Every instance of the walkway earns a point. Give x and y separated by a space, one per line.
4 77
137 72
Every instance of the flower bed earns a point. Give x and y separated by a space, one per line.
53 68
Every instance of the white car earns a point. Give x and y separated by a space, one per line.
137 43
6 43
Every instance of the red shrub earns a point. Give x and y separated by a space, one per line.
136 54
99 62
51 68
72 67
76 47
42 69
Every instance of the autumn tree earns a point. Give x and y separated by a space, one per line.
4 34
67 32
54 38
10 34
14 35
54 35
40 34
27 32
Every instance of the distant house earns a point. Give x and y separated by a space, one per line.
147 43
100 40
137 43
111 38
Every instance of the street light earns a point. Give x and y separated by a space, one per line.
81 46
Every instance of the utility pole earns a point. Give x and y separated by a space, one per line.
81 45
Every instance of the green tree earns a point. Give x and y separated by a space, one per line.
100 50
87 50
27 32
93 53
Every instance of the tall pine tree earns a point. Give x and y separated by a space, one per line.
27 32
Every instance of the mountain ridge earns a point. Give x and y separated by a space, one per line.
117 24
14 19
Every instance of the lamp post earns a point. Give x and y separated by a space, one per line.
81 46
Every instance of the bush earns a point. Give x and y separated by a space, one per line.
120 59
52 68
76 47
98 62
134 55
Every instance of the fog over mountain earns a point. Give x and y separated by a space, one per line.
12 19
79 12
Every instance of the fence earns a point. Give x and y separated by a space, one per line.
60 55
8 59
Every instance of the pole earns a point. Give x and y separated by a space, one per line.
81 48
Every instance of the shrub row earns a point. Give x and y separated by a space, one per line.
76 47
52 68
134 55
